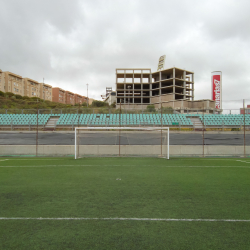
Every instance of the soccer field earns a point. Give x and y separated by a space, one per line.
124 203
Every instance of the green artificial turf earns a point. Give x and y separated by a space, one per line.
181 188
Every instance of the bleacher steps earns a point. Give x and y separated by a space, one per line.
197 123
51 124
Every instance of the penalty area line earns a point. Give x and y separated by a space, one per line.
126 219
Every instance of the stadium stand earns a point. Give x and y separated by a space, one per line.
209 120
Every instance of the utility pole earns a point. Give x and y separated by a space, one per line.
87 95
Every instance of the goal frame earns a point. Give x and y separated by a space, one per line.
124 128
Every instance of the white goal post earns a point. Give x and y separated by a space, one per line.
122 141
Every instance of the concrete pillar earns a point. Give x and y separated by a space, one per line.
160 83
150 87
174 82
133 87
184 84
141 88
192 87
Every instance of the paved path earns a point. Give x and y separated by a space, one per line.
143 138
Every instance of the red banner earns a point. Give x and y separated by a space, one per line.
216 89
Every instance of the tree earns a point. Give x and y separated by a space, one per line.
98 104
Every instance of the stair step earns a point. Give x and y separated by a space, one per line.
51 123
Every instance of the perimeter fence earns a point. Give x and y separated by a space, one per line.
197 133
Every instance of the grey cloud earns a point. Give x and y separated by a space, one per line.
72 43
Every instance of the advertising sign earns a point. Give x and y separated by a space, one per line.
217 88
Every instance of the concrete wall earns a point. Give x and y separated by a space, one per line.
147 150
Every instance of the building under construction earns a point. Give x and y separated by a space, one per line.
137 88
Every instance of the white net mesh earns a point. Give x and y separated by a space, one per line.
153 142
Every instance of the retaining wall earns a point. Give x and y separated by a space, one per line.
107 150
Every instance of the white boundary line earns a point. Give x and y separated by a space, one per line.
34 159
124 219
123 166
244 161
37 166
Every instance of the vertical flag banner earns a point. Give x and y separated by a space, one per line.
217 88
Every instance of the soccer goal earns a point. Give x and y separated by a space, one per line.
122 141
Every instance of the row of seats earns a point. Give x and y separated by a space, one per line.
226 120
116 119
125 119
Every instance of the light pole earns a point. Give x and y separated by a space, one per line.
87 95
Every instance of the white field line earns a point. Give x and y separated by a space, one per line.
4 160
124 219
244 161
18 159
44 166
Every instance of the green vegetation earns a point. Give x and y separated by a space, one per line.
185 188
167 110
99 104
151 108
9 100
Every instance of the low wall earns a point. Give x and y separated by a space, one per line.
110 150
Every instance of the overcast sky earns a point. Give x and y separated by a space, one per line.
71 43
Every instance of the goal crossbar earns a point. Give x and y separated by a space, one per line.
123 128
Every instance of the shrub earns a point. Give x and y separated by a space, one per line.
167 110
151 108
9 94
2 93
235 129
113 105
35 98
19 97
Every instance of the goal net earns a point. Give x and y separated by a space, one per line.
122 141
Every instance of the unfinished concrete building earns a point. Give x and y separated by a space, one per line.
133 87
137 88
